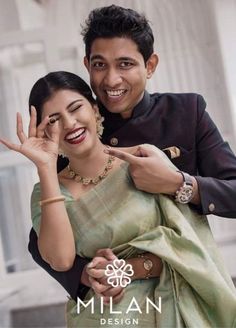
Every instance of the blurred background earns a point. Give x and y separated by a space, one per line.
196 43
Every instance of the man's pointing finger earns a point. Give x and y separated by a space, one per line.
131 159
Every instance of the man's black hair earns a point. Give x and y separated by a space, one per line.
114 21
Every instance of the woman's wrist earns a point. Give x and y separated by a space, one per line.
145 266
47 169
49 182
136 264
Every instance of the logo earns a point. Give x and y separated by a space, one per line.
119 273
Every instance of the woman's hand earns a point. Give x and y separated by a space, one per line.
39 147
98 280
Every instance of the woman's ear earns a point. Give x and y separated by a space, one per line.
151 64
95 108
99 120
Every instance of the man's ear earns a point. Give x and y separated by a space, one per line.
151 64
86 63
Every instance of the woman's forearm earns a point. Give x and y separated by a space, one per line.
56 240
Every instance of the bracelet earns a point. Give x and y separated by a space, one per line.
147 264
52 200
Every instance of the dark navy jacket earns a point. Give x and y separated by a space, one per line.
167 120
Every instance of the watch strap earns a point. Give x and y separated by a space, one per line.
186 178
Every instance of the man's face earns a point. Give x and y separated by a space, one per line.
118 74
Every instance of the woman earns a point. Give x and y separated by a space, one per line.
92 204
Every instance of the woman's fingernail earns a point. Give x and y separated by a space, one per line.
90 265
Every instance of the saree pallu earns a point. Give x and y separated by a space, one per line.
194 287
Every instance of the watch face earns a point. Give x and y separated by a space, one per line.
185 194
147 264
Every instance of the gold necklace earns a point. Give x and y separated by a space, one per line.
86 181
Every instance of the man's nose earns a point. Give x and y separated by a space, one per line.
112 78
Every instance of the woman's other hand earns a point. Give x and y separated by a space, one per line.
98 280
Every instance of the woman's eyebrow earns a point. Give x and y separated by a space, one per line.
68 106
53 114
73 102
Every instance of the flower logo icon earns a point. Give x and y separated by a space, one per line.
119 273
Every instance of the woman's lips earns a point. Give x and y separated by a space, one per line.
76 136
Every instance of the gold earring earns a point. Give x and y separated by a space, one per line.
99 125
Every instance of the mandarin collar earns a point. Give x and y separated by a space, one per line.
139 110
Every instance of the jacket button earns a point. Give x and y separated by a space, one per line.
114 141
211 207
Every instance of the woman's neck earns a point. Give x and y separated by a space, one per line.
91 164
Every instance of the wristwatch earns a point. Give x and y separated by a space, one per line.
185 193
147 264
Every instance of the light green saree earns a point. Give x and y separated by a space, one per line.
194 288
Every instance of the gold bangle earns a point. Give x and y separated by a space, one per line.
52 200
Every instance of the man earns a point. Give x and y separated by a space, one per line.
120 59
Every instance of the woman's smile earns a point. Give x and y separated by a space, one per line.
76 136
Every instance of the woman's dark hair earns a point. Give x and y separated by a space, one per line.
46 86
114 21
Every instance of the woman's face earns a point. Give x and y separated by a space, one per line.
77 122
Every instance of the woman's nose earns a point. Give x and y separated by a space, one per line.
68 121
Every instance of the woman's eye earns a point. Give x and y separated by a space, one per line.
75 108
53 120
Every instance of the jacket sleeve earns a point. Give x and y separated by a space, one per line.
216 165
70 279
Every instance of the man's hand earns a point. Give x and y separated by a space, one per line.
150 172
98 281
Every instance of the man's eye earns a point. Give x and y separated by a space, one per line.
98 64
126 64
